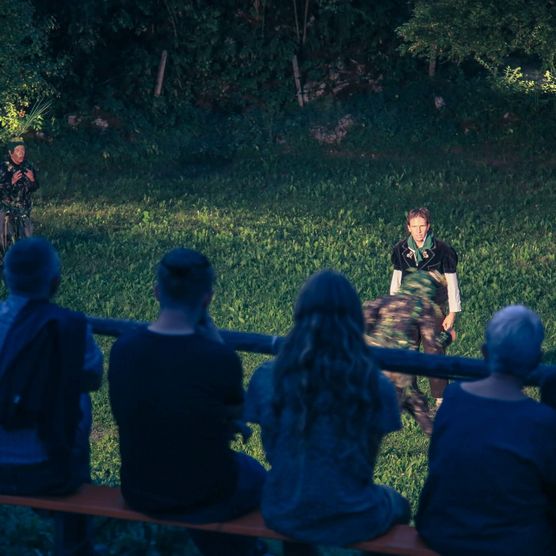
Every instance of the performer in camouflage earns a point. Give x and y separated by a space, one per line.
17 181
423 251
403 320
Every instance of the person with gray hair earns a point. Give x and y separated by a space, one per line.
492 459
49 362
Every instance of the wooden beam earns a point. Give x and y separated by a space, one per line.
398 360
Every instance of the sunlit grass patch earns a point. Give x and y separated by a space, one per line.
267 232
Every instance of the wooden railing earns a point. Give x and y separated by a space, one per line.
399 360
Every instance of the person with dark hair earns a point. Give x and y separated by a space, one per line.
175 391
421 250
323 407
18 179
402 321
491 484
48 363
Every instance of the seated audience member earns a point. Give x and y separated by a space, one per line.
175 391
324 407
492 459
404 320
48 360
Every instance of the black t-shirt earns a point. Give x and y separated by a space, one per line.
170 396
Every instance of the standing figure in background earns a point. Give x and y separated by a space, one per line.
403 321
422 251
18 179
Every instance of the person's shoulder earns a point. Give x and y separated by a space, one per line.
377 302
452 391
400 245
62 315
399 302
443 245
130 338
398 305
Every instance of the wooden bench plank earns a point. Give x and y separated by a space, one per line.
104 501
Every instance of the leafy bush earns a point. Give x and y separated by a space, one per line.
27 72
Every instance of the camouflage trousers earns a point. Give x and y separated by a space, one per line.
412 400
13 229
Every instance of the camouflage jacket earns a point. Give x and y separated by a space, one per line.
17 196
403 321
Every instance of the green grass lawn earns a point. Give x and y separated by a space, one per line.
267 225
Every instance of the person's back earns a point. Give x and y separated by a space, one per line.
492 459
324 407
351 507
170 395
175 391
48 361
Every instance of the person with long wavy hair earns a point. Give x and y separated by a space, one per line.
324 407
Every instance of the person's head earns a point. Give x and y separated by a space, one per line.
513 339
421 284
329 295
32 269
184 280
324 366
16 149
418 224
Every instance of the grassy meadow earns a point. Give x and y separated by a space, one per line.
267 224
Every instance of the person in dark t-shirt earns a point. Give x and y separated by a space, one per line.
175 391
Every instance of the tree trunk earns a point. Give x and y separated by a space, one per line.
297 78
160 76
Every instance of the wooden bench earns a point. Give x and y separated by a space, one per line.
107 501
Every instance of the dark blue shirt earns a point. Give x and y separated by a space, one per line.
492 475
